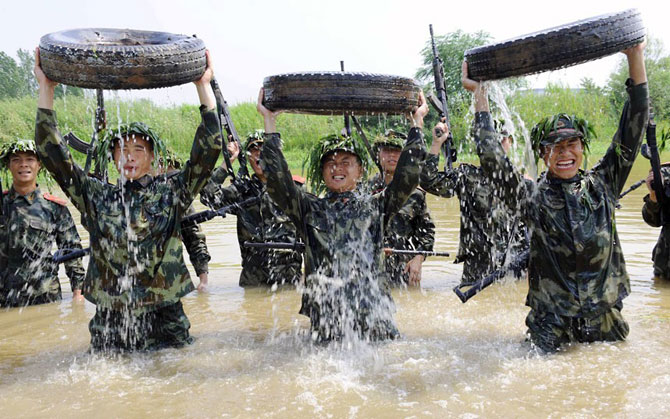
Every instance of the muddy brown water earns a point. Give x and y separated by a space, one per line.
251 357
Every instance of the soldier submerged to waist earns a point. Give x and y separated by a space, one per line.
651 213
136 274
31 222
346 292
486 222
577 274
412 228
258 223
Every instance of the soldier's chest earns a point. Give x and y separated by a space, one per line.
28 225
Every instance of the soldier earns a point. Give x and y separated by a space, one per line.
136 275
577 274
30 223
411 228
192 235
260 223
651 213
486 222
346 292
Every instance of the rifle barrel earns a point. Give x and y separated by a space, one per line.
419 252
520 263
206 215
65 255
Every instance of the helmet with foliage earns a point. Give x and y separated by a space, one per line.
556 128
105 146
11 147
325 147
389 138
253 138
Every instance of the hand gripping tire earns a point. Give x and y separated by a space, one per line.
326 93
121 58
557 47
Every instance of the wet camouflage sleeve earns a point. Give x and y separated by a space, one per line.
68 238
214 195
444 184
651 213
407 173
196 245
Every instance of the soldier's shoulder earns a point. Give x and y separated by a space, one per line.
55 199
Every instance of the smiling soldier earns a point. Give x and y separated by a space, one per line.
31 222
346 291
577 274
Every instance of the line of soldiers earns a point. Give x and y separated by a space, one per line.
137 276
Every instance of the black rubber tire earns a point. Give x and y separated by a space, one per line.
326 93
121 58
557 47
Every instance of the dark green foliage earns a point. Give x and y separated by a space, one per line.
547 125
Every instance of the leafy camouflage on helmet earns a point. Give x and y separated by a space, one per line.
553 129
18 145
105 146
324 147
253 138
171 161
390 138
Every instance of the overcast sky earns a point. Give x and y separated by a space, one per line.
251 39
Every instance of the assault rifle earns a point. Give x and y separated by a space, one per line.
227 124
89 148
517 265
300 247
64 255
347 123
440 103
660 189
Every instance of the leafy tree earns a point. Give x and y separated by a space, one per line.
11 81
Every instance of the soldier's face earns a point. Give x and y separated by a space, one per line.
564 158
341 171
133 157
24 167
388 158
506 144
254 154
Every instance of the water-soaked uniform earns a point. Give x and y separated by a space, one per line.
346 289
485 223
136 274
651 213
259 223
412 228
577 274
29 227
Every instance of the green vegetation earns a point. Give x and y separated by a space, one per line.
599 105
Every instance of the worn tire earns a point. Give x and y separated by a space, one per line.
557 47
325 93
121 58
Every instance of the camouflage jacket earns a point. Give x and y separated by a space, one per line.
136 247
411 228
196 245
485 222
344 232
651 213
258 223
30 226
577 267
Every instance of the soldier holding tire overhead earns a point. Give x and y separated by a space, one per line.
346 293
577 274
136 275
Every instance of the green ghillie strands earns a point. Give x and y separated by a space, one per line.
254 138
105 146
390 138
171 161
313 164
556 128
20 145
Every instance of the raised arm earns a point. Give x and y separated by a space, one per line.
444 184
207 143
618 161
410 164
51 149
280 185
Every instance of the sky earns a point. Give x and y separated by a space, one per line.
252 39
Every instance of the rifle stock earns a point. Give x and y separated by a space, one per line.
517 265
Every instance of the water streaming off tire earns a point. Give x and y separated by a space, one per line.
252 356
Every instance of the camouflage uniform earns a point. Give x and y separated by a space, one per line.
28 230
486 222
577 274
411 228
346 289
258 223
651 212
136 274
